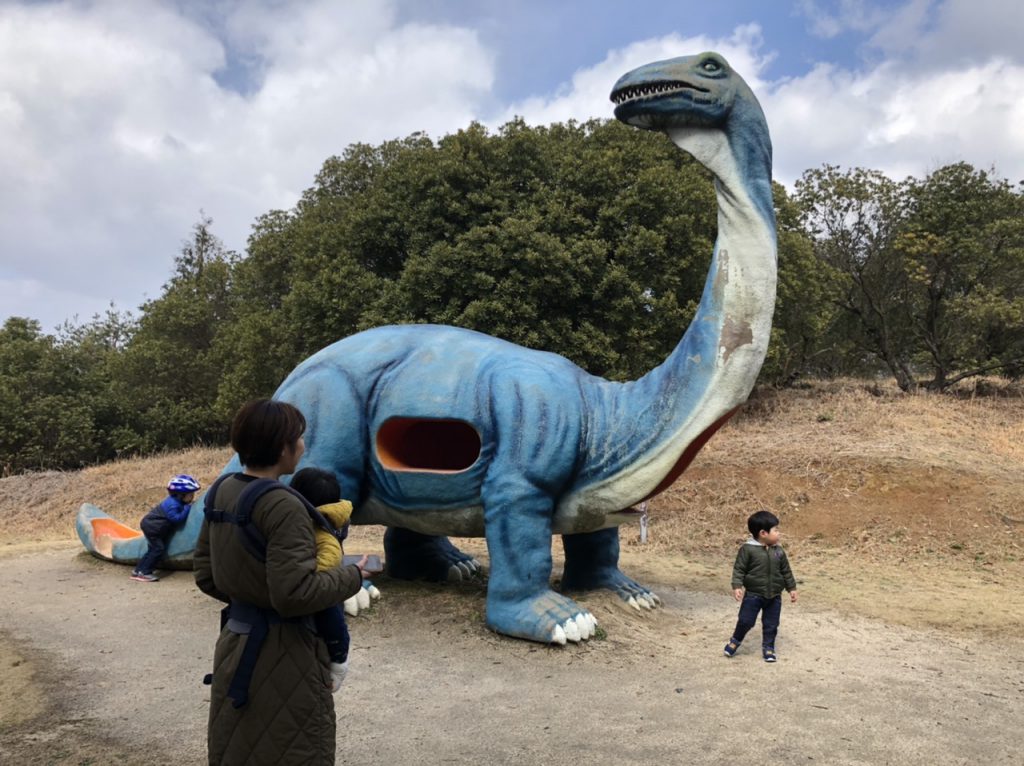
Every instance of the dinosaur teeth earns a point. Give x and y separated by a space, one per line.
640 92
645 91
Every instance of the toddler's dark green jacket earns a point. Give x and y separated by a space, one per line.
762 570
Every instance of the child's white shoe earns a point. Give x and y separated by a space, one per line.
338 672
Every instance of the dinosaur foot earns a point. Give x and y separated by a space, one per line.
360 602
626 588
549 618
592 563
414 556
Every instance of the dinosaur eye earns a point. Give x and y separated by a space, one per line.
710 66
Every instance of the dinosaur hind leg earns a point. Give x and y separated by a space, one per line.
410 555
592 562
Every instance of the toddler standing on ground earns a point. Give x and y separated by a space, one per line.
760 574
322 490
159 524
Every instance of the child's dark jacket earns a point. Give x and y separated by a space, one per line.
161 521
762 570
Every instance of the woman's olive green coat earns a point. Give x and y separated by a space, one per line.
289 718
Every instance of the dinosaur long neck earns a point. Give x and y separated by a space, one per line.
648 430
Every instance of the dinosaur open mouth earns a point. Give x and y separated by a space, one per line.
653 90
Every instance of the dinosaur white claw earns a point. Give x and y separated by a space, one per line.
558 636
372 590
362 599
351 606
633 603
593 624
572 631
454 573
583 625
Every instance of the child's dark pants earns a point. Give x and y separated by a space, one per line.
330 623
770 609
155 552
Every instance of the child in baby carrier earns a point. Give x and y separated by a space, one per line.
160 523
322 490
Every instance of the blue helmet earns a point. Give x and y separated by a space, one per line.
182 483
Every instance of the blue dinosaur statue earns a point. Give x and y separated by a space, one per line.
442 431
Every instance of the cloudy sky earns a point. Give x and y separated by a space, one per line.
121 119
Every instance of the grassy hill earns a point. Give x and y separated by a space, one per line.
905 508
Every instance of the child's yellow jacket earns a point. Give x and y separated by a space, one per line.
328 547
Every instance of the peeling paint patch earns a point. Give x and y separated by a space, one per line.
722 275
734 335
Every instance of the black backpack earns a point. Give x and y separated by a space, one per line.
251 537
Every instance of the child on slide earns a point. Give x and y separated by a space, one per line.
160 523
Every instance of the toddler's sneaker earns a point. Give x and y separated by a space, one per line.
140 577
730 648
769 655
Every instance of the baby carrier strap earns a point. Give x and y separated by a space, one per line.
253 622
249 535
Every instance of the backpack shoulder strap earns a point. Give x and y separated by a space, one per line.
249 534
210 509
253 491
318 519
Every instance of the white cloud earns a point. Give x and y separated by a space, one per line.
898 116
900 122
928 34
114 132
36 296
855 15
586 95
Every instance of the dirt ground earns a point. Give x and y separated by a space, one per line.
99 669
902 517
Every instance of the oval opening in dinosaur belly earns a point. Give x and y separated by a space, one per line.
416 444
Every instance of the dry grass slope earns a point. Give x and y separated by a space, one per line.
40 507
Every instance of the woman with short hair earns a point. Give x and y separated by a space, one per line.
270 701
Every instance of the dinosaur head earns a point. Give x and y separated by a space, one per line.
691 91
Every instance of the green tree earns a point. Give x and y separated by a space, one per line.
45 421
855 218
927 272
803 340
590 240
168 376
93 351
962 247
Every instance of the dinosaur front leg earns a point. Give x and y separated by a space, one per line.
592 562
520 601
410 555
